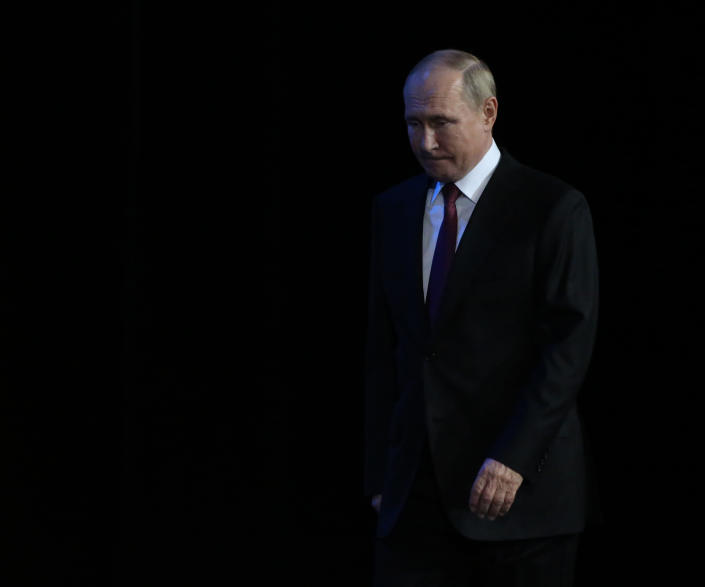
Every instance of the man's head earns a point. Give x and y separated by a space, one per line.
450 108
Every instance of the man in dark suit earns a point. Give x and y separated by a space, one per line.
482 318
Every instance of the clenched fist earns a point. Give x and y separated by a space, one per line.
494 490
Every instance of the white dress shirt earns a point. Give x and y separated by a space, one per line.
471 186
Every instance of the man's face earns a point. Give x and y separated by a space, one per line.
447 135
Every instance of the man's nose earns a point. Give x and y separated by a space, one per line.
428 140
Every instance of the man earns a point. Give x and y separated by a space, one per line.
482 317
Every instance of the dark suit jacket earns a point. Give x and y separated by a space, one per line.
499 374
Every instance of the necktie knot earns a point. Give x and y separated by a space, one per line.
451 193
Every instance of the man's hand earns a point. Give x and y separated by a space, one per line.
494 490
377 502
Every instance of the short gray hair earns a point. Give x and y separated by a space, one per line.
478 81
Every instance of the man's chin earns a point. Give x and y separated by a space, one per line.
440 170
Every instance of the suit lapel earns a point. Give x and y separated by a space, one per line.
484 232
413 210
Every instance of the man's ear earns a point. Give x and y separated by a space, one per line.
489 112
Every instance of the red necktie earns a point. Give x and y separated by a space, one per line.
445 249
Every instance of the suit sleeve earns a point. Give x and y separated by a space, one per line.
380 370
567 305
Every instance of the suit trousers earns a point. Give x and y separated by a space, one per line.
424 550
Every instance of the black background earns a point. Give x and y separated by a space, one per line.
185 232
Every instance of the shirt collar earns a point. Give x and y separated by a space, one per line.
476 178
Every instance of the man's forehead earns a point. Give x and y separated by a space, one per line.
435 77
429 105
434 87
432 101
